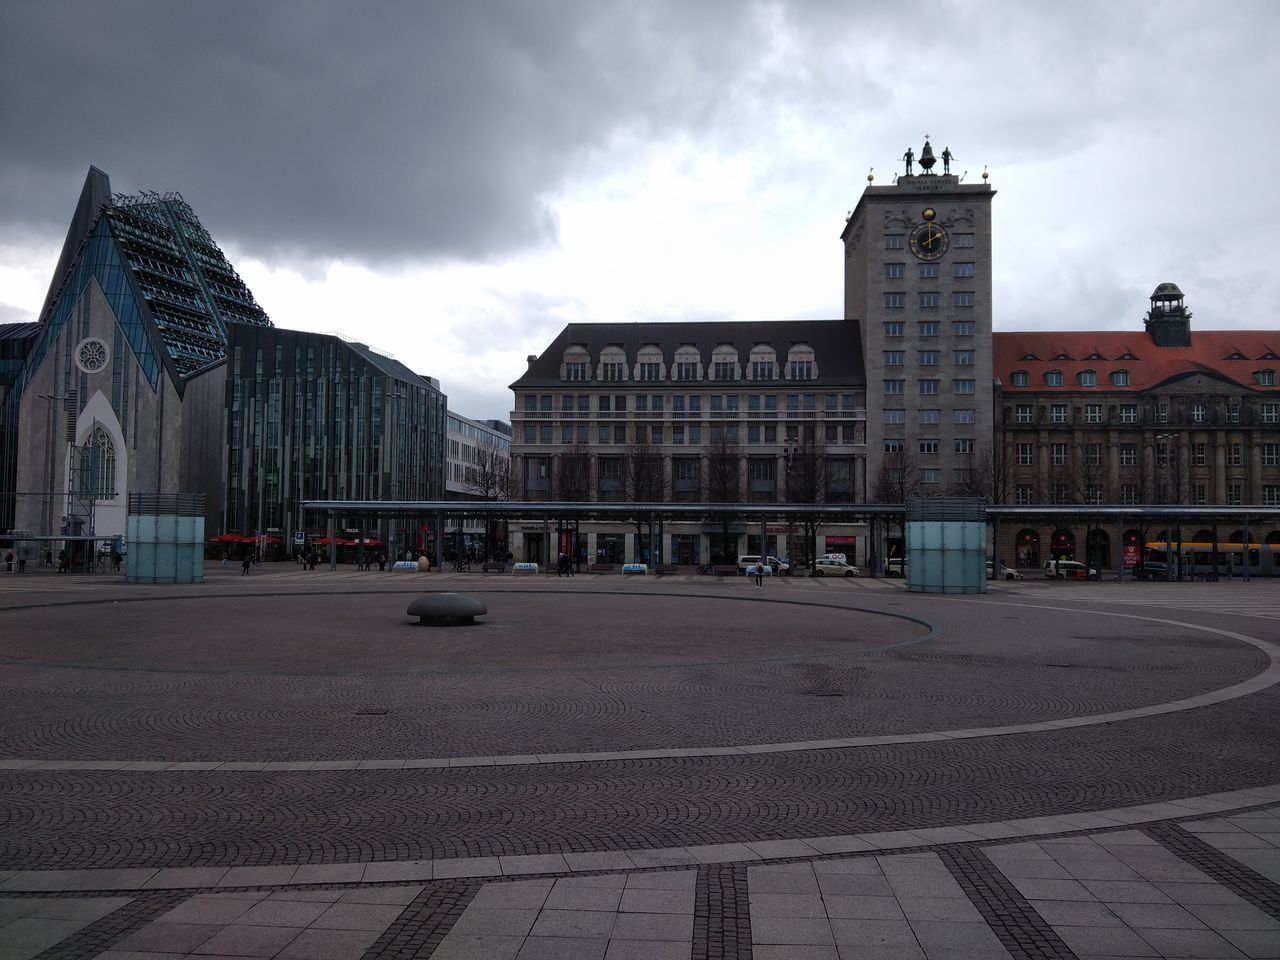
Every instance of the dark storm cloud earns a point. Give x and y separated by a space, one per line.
371 131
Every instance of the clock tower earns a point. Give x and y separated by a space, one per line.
917 282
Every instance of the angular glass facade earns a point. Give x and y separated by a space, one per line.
312 417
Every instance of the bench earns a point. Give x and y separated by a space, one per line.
493 567
726 570
602 568
666 568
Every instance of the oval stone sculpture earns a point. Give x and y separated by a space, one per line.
446 609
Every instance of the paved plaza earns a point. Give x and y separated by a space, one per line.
287 765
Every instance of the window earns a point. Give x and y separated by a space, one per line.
929 387
1235 493
1093 413
1271 495
695 433
686 370
962 270
1128 493
1233 411
928 358
695 403
566 433
1088 378
964 241
545 436
894 358
677 433
894 271
962 358
620 403
1024 454
895 300
964 446
724 370
1119 378
1266 378
1023 413
1163 455
930 475
928 271
894 446
963 328
642 404
612 370
1025 494
1058 413
604 435
964 387
929 298
1053 378
894 241
575 370
761 369
928 329
929 417
895 328
1235 455
895 416
1199 494
964 416
895 387
801 369
650 370
1058 454
1093 494
1019 378
1093 454
1199 454
1197 413
1128 454
530 433
1271 454
685 468
1162 411
1128 413
928 446
1270 413
753 433
962 298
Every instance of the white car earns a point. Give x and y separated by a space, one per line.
1006 573
1068 570
842 558
895 567
825 567
772 565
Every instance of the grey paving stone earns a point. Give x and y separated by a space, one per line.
256 876
770 880
604 881
787 905
1110 941
670 857
599 861
958 941
1233 916
873 933
956 909
1196 944
358 916
305 896
849 866
237 940
28 936
1124 891
593 924
1266 862
135 955
584 898
667 880
282 913
165 937
1169 916
644 950
84 909
388 895
391 871
182 877
792 951
562 948
494 922
315 944
328 873
520 895
477 947
1053 889
1198 893
1255 944
533 863
924 885
1077 914
782 848
640 900
853 885
863 908
791 930
902 951
653 926
466 867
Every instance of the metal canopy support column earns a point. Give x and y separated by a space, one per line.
1244 550
438 521
764 539
545 559
332 533
995 548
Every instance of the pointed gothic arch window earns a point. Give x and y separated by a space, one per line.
98 459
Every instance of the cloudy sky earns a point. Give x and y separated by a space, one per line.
451 181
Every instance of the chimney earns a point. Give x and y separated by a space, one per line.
532 359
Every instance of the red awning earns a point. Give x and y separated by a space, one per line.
230 538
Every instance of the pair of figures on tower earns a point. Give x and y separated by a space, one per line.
927 159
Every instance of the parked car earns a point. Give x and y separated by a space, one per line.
1069 570
825 567
895 567
772 564
840 557
1006 573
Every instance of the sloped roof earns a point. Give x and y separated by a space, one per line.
1209 353
836 345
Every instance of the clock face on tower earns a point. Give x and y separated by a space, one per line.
929 241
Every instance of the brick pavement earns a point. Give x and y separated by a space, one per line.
165 677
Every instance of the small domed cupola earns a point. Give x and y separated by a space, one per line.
1168 321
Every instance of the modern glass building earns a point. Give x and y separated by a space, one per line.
311 416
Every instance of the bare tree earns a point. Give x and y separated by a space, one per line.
992 475
806 482
492 480
573 474
724 478
898 481
644 483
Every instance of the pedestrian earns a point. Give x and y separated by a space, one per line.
115 560
244 565
8 559
759 573
22 564
64 563
48 557
560 565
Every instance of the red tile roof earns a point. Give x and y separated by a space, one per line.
1150 366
